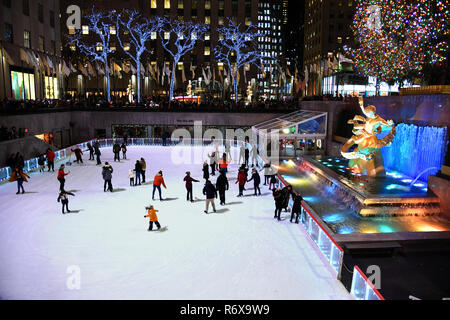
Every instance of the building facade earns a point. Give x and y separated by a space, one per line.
30 50
327 30
190 69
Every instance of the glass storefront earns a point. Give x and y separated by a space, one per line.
22 85
51 88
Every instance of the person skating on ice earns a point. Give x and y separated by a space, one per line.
138 171
143 168
157 182
41 163
223 164
212 163
256 181
91 151
241 179
97 152
50 159
188 179
151 214
222 186
116 151
78 154
61 177
246 156
278 197
131 177
107 171
296 206
211 193
205 170
267 172
64 199
19 176
124 151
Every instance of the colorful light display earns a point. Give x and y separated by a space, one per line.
398 37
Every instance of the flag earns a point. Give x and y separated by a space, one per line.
100 69
72 68
125 67
65 69
24 56
50 64
306 75
8 57
82 69
183 75
91 70
133 69
288 72
142 68
342 59
192 69
204 76
33 59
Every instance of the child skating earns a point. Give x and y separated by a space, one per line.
131 176
151 213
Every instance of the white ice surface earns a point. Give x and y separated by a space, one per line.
239 253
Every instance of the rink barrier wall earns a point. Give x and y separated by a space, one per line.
361 287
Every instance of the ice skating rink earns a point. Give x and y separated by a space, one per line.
240 252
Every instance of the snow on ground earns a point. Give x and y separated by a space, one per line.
240 252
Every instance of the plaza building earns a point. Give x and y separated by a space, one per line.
30 50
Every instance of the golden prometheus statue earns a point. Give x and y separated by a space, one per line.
366 157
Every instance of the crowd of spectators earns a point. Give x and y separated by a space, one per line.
11 133
148 104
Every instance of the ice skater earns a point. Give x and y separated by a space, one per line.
143 168
50 159
138 171
41 163
151 214
296 207
64 199
116 151
287 192
61 177
267 173
222 186
223 164
205 170
256 181
78 154
131 177
212 163
241 179
211 193
246 156
107 176
188 179
19 176
278 197
157 182
124 151
91 151
97 153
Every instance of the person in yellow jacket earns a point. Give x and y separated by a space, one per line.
19 176
151 213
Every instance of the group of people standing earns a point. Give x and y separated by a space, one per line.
281 197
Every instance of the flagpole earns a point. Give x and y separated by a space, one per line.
3 68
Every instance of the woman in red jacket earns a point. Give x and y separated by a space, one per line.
50 159
241 179
61 175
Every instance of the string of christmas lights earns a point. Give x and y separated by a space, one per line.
397 37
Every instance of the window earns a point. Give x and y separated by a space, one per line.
166 4
153 35
41 43
22 85
207 51
207 20
9 33
126 46
112 30
26 39
153 4
53 47
180 4
207 5
166 35
40 12
113 47
99 47
26 7
52 18
85 29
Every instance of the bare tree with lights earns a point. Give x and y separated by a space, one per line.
139 31
236 49
100 24
181 39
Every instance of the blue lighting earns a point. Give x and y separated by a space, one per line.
333 218
345 230
311 199
416 149
385 229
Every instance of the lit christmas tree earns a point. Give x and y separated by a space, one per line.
397 38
